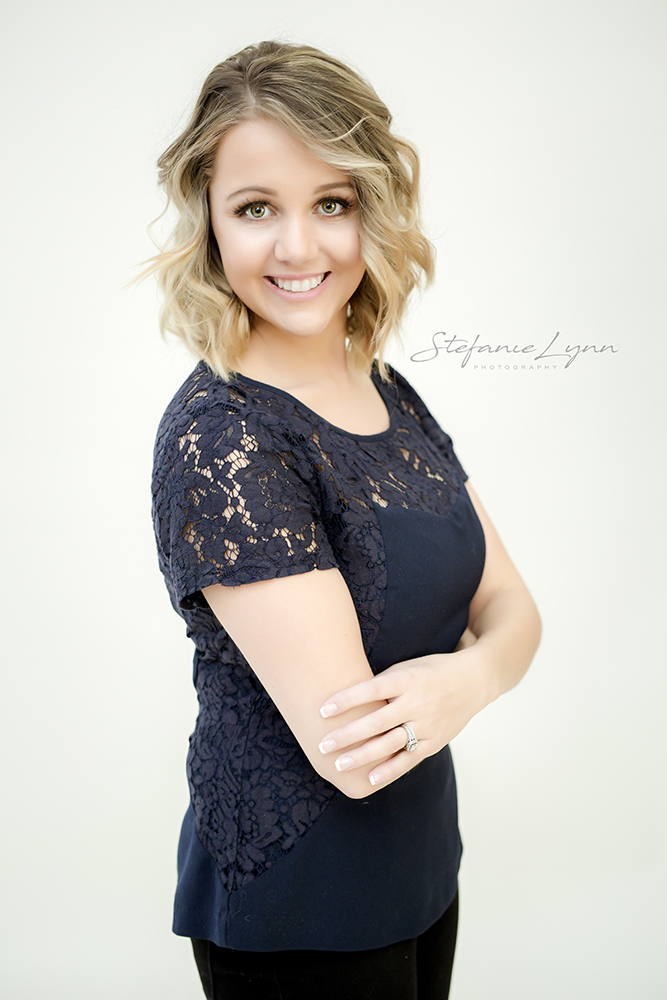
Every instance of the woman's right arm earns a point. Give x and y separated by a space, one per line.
300 635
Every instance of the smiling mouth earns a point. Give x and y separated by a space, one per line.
305 285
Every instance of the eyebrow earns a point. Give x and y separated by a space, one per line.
263 190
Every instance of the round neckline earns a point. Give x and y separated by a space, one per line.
377 382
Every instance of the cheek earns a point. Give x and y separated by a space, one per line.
242 254
346 248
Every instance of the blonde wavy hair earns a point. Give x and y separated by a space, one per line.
340 119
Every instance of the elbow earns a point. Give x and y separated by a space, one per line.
536 626
538 629
532 636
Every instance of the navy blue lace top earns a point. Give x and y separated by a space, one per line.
250 484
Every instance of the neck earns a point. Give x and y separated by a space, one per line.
295 363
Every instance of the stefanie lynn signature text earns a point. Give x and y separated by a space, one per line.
448 343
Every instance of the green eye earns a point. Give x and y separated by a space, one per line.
330 207
257 211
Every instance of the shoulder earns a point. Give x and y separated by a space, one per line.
201 394
418 415
406 396
209 415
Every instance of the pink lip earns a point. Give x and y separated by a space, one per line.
312 293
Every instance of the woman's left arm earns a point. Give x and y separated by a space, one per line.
438 694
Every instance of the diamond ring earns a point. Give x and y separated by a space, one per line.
413 742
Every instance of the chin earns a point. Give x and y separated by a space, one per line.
305 329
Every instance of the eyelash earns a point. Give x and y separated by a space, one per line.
343 202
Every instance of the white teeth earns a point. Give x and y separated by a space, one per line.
299 286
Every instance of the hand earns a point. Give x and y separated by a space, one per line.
436 694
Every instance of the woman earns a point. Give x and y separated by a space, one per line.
351 604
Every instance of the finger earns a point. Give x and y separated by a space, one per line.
373 751
380 688
382 720
393 768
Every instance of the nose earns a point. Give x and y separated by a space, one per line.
296 241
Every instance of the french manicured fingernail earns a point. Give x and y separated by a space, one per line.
375 779
326 746
344 763
327 710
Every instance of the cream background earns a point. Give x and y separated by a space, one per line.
541 128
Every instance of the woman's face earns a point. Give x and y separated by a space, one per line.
286 226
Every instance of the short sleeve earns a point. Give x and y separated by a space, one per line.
242 506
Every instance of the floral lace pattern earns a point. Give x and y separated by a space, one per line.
250 484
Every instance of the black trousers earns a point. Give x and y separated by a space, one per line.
417 969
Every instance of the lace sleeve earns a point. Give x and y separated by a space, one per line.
242 505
